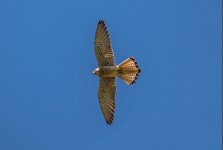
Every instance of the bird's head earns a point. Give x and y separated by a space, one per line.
96 71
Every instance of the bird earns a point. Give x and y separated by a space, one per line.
107 71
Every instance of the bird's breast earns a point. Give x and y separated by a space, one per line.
108 71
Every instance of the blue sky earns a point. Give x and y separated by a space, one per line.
48 94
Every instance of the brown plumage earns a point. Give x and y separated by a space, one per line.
128 71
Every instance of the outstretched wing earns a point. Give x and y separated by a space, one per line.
106 95
102 46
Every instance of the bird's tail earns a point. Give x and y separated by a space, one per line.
128 70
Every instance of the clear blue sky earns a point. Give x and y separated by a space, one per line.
48 94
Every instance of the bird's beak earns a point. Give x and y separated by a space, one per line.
95 71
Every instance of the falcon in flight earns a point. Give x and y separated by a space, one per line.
107 71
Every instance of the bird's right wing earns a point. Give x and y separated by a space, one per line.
102 46
106 95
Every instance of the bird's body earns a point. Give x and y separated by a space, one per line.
128 71
107 71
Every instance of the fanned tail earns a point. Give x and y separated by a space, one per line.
128 70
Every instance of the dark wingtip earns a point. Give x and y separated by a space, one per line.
101 22
109 123
109 120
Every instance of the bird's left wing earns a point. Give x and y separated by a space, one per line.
102 46
106 95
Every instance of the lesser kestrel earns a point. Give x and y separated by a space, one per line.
107 71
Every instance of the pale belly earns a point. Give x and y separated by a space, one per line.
108 71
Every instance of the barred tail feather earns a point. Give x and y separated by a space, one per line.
128 70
